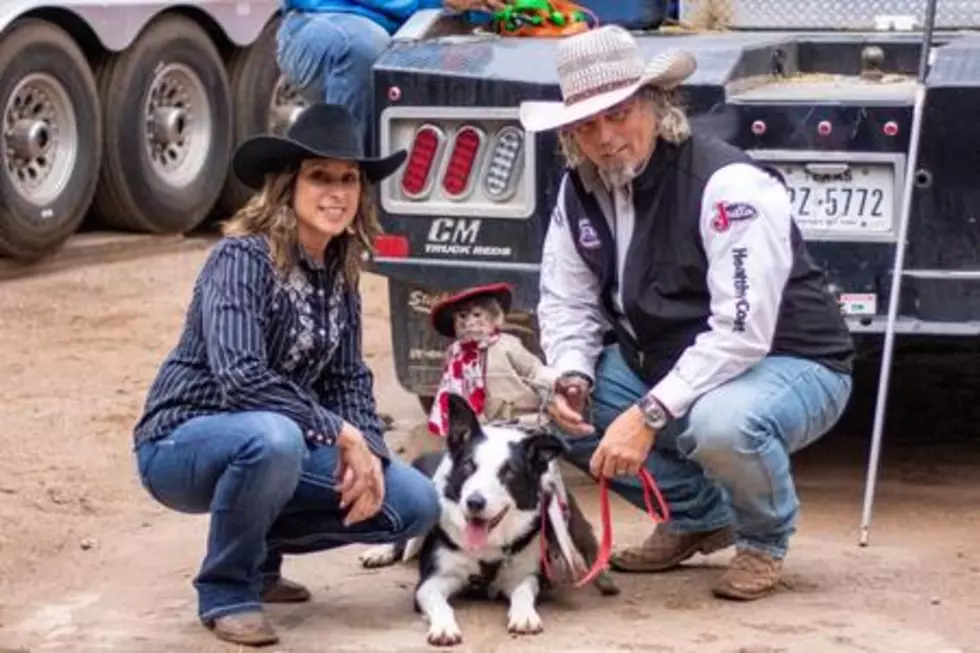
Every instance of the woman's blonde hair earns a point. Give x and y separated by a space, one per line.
672 124
270 213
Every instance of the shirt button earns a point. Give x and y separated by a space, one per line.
323 332
320 292
310 433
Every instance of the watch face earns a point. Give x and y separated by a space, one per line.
657 418
655 415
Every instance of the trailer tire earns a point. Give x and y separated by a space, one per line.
257 88
42 68
167 122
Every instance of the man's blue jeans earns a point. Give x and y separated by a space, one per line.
727 462
328 57
268 495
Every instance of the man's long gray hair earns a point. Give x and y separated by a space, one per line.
672 124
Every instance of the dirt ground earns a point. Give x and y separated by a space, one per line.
88 562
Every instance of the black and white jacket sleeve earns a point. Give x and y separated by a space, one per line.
745 226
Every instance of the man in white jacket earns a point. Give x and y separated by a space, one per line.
677 294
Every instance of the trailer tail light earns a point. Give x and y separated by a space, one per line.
824 128
758 127
390 246
504 166
462 162
423 158
467 146
890 128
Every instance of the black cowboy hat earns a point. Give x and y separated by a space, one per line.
326 131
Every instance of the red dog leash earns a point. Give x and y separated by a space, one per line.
650 490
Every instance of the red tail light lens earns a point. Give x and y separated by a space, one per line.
462 160
422 159
391 246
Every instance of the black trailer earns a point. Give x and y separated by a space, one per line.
832 109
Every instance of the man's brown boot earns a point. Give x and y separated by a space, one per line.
246 628
750 575
665 549
282 590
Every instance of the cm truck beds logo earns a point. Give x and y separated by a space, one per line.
458 237
740 283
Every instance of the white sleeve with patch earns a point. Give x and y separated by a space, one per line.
746 218
570 322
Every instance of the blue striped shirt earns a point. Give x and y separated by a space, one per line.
256 341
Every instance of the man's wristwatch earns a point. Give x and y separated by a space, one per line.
654 414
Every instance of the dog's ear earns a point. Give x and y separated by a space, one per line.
463 422
541 448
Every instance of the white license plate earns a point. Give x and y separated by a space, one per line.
841 201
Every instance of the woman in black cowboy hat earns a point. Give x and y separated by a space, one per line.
264 415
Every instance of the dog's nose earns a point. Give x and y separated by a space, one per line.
476 502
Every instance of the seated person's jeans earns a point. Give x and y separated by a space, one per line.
268 494
328 58
727 461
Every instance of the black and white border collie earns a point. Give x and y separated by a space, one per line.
491 482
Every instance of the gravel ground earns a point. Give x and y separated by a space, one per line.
88 562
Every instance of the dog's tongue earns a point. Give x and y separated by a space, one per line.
475 535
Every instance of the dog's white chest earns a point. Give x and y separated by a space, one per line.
492 571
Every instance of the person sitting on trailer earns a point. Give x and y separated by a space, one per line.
326 47
677 296
264 413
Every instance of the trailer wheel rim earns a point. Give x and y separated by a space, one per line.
178 124
40 138
285 106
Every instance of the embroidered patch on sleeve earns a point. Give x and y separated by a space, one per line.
728 212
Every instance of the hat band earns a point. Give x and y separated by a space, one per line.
601 89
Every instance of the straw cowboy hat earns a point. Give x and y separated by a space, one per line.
599 69
322 131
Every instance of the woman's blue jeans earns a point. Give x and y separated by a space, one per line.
268 494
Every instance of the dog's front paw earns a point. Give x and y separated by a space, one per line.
445 633
381 555
524 621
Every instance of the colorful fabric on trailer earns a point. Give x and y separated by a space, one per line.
464 375
543 18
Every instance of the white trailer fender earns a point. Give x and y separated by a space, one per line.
117 23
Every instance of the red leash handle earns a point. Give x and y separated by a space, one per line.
650 490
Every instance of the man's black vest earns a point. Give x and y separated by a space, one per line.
665 290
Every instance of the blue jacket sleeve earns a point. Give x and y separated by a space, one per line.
400 9
347 384
234 293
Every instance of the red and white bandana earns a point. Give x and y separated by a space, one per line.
465 374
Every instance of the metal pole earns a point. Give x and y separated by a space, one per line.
898 272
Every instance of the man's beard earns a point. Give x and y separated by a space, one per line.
619 174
